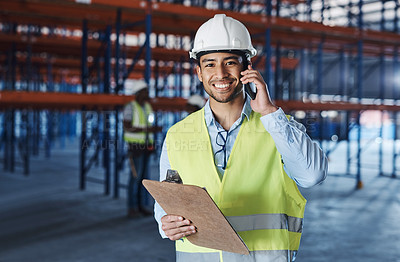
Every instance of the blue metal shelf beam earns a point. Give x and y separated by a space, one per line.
359 82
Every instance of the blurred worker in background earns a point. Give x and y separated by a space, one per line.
194 103
139 135
251 156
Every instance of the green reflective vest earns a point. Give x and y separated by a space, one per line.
140 118
262 203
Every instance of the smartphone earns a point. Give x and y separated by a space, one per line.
249 91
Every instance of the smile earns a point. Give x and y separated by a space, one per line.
221 85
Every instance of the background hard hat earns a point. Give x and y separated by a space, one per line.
196 100
134 86
222 33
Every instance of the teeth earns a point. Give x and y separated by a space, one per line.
221 85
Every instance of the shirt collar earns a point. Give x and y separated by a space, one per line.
209 116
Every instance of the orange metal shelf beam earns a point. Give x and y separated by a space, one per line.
68 47
195 16
62 11
68 69
71 63
293 105
53 45
69 101
179 19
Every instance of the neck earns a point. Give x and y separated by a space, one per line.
227 113
140 102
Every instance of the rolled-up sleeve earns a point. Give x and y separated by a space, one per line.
304 161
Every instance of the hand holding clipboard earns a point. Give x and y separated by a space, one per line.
196 205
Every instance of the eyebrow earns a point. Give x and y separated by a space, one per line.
226 58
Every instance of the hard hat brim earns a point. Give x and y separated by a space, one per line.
196 54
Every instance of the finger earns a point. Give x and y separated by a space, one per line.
251 78
180 232
171 225
184 229
249 69
250 72
171 218
246 72
178 236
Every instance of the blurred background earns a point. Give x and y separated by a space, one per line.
67 68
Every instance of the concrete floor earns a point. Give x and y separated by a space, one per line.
45 217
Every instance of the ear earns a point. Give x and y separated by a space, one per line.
199 74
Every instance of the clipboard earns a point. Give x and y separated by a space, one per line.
196 205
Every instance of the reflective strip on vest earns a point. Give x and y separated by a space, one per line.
266 221
263 255
134 138
138 138
197 257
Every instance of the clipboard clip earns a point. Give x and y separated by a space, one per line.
173 177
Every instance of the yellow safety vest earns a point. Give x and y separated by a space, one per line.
262 203
140 118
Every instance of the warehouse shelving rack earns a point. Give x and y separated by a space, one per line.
279 29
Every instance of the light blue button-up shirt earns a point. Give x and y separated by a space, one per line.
230 136
303 159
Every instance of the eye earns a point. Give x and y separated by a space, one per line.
209 65
232 62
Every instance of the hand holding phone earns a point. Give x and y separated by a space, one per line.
263 103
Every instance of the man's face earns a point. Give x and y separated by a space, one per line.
220 74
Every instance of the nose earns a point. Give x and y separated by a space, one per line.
220 71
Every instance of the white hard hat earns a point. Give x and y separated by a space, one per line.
134 86
222 33
196 100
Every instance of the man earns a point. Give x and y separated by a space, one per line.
247 153
138 133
